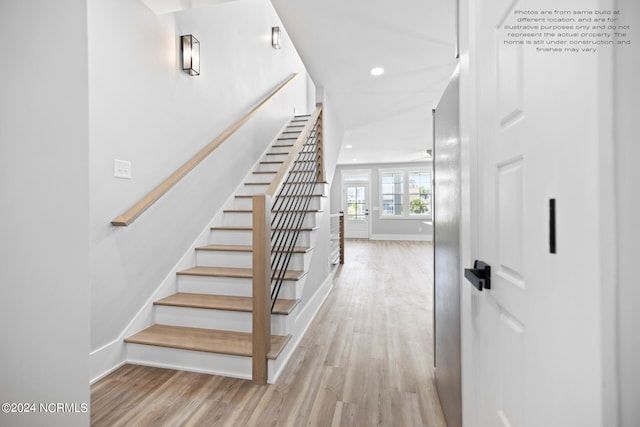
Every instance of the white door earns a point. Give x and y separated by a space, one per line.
446 253
356 210
538 355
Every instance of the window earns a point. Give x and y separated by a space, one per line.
419 193
356 203
405 193
392 193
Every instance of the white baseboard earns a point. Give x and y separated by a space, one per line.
106 359
406 237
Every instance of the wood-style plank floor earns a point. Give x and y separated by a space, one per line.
365 361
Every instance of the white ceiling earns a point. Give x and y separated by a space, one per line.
386 118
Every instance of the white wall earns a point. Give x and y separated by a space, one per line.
384 228
628 233
44 231
144 109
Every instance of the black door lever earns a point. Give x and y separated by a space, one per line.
479 275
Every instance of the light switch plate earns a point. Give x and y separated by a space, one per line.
122 169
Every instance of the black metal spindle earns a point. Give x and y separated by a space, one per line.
290 206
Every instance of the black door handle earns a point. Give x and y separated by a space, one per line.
479 275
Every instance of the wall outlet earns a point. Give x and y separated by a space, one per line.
122 169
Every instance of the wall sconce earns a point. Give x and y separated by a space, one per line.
190 55
275 37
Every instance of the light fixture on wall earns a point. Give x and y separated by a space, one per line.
190 55
275 37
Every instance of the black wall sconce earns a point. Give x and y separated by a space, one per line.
275 37
190 55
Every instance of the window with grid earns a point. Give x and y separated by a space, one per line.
356 209
419 193
405 193
392 194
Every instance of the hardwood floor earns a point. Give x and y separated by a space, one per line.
365 361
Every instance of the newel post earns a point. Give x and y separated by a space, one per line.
261 287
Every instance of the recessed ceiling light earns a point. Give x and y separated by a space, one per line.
377 71
348 146
354 160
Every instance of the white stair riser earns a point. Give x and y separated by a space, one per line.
235 237
187 360
268 167
231 237
281 149
239 259
197 361
252 189
245 219
262 177
275 155
247 203
259 189
238 321
230 286
314 202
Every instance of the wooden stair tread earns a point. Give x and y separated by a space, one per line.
245 248
206 340
222 302
233 272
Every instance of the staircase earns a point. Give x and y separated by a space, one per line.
206 326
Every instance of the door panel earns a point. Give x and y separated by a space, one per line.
447 278
503 181
356 208
539 134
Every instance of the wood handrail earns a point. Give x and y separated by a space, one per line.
132 214
293 154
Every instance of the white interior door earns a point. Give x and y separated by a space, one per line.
356 209
446 253
502 318
539 357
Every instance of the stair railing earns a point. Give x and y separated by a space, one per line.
147 201
336 244
278 217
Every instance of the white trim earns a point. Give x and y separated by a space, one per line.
467 19
407 237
